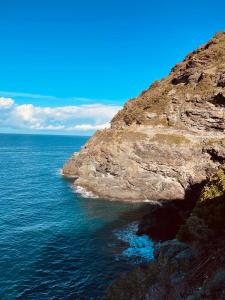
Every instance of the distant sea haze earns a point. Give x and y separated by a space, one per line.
55 243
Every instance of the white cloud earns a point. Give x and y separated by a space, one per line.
6 103
77 119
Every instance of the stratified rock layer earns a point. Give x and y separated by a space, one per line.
170 137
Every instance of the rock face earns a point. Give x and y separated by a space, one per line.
166 139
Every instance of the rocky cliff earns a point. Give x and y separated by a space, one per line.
170 137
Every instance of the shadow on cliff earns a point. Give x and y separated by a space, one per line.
165 217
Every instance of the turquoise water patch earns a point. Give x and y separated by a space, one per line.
138 249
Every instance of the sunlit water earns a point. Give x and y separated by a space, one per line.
55 244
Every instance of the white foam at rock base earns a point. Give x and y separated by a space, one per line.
60 172
83 192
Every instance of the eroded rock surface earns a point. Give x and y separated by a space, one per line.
166 139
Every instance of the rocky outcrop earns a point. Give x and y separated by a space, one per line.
166 139
191 267
158 280
179 272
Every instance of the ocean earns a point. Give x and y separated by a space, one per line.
56 242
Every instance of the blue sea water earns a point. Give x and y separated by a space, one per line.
54 243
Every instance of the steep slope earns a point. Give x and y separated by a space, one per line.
168 138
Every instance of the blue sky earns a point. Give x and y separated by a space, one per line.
91 55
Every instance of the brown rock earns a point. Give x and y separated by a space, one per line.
168 138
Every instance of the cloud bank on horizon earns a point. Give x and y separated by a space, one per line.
73 119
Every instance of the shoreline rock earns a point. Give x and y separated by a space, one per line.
167 139
164 218
162 221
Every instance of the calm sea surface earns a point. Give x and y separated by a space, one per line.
54 243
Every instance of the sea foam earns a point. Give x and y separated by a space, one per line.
83 192
139 248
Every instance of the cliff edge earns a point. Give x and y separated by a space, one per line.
168 138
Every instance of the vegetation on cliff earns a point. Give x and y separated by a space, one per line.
207 219
193 78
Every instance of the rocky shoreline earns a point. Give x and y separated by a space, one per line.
190 266
168 145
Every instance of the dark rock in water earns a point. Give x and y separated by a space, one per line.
164 218
162 222
158 280
133 285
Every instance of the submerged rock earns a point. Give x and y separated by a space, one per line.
134 285
170 137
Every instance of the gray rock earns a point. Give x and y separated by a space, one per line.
174 256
